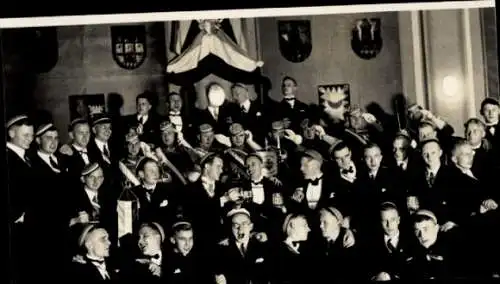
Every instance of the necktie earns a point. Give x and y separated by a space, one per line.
106 151
95 200
431 178
372 176
390 246
243 109
216 113
53 163
243 250
27 160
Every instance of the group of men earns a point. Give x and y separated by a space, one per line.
245 193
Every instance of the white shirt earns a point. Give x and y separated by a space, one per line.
142 118
294 248
101 267
394 240
92 194
289 101
101 146
157 261
214 111
208 185
350 177
176 120
432 171
403 164
16 149
313 192
373 174
466 172
46 158
258 195
83 153
246 105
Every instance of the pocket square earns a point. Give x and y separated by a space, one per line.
164 203
177 271
259 260
332 195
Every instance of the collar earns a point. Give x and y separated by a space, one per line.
95 259
374 173
174 113
244 242
46 157
16 149
259 181
91 194
207 181
334 237
156 259
149 186
495 123
289 98
213 109
100 144
246 105
475 147
294 246
145 116
395 237
434 171
79 148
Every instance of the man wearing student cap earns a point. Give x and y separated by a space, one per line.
92 265
206 142
102 132
242 257
91 201
184 262
133 154
20 134
431 259
79 153
148 265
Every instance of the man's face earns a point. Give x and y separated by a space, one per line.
149 241
426 232
300 228
168 138
98 243
241 226
373 158
329 224
464 156
143 106
103 131
81 134
474 133
150 173
400 148
308 133
94 180
22 136
49 142
390 221
491 113
426 132
206 139
309 167
238 140
240 95
288 87
254 166
215 169
175 103
183 241
343 158
431 153
133 148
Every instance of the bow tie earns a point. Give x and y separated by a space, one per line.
149 187
174 113
156 256
84 151
314 181
349 171
98 261
256 182
290 99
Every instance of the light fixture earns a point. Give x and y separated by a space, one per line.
450 85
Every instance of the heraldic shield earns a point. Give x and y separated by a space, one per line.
129 45
366 39
295 40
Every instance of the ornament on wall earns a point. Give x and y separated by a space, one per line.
335 90
295 40
128 45
85 106
366 39
44 49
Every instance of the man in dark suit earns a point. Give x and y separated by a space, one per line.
243 259
391 248
250 114
218 113
484 160
20 133
145 120
490 110
92 266
290 107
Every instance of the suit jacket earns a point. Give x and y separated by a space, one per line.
162 206
151 129
76 164
193 268
296 114
252 267
252 120
433 263
88 273
19 181
291 267
224 119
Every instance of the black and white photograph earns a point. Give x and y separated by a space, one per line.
328 145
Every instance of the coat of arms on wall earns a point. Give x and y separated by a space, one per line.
338 88
85 106
366 39
128 45
295 40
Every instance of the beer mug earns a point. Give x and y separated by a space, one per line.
278 199
83 217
